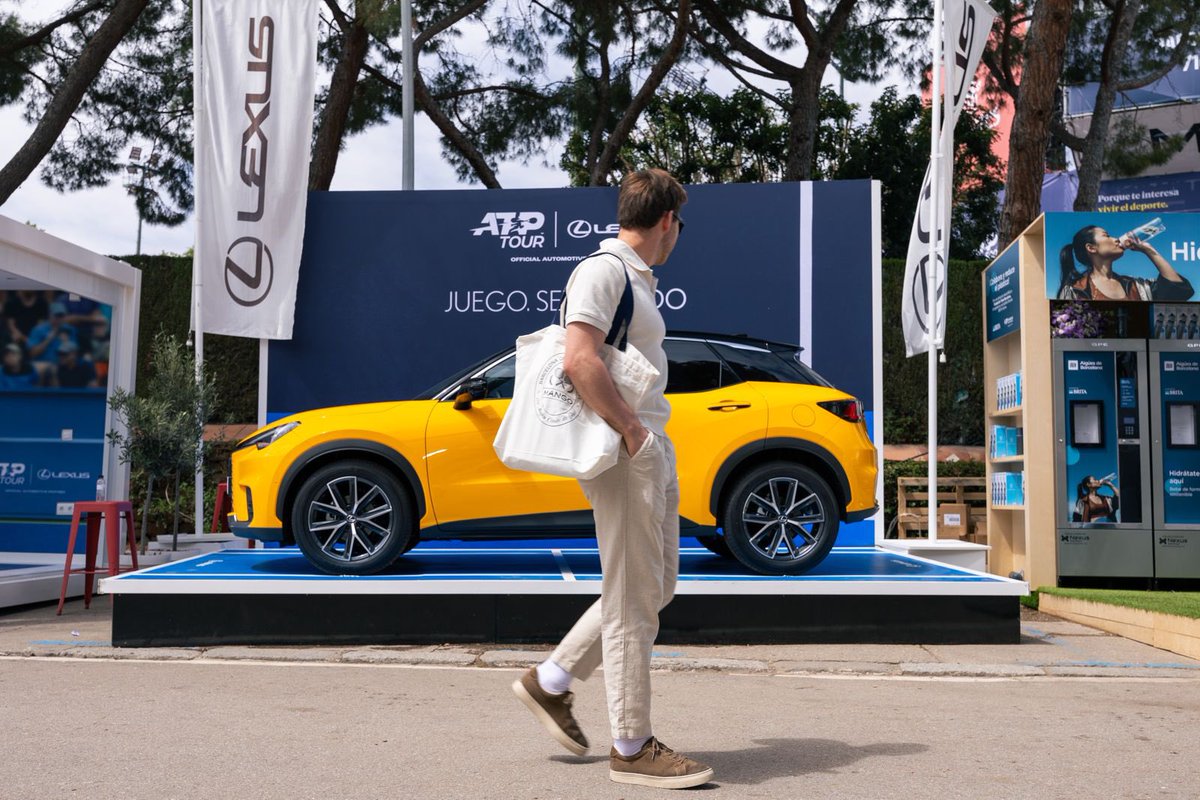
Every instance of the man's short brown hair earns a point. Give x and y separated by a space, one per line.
646 195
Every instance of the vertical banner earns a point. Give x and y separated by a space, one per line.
967 26
254 125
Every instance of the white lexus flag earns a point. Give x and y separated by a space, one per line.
254 111
967 26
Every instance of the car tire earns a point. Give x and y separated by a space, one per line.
352 518
716 545
780 496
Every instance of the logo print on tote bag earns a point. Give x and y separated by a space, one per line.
557 401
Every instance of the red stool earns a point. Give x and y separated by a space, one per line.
222 508
112 511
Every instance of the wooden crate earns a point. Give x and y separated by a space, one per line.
912 506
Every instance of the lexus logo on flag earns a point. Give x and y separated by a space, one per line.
248 285
254 112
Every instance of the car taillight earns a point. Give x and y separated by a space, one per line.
849 410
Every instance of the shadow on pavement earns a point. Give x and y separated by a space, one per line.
780 758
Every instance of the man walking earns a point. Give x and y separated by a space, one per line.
635 502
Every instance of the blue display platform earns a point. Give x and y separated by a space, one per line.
500 593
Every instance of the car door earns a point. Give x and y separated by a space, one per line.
470 489
713 413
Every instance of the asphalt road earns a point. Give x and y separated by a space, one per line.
101 728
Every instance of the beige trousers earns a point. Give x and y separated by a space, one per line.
636 505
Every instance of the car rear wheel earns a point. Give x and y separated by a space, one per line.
352 518
781 519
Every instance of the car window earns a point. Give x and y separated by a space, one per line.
501 378
760 363
693 367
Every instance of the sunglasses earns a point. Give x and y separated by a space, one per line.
679 219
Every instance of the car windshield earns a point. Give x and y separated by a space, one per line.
457 377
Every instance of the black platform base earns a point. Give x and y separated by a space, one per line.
180 620
260 598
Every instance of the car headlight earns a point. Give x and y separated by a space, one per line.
261 440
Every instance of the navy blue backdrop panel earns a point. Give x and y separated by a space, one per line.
398 290
51 451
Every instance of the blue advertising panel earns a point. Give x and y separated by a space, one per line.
399 290
1091 493
1003 291
1179 377
1131 255
1174 193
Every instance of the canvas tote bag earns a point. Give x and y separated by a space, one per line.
548 428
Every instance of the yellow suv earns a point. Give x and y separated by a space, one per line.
771 458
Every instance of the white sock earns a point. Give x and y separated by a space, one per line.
629 747
552 678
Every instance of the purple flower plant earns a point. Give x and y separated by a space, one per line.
1076 320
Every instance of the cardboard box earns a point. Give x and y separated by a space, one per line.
954 520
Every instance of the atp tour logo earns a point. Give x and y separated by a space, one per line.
249 268
12 473
557 403
515 229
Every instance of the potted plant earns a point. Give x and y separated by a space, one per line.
164 422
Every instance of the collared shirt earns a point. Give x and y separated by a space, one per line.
593 292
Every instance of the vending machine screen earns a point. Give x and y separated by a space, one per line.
1181 422
1087 423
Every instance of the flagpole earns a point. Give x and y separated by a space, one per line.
408 62
931 274
197 264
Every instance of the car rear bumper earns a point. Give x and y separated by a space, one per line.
860 515
245 530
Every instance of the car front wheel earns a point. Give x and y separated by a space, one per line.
352 518
781 519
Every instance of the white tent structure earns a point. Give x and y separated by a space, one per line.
32 259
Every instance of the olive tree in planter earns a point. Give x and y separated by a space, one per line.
164 422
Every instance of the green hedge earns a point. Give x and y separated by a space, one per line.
231 360
960 379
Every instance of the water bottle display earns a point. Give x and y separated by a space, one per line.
1175 322
1144 233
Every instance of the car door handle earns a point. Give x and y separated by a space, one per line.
728 406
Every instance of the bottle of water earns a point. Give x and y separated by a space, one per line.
100 490
1144 233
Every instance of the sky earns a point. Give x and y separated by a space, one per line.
104 220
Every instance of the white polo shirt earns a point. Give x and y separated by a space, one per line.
593 292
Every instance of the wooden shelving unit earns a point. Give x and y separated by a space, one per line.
1022 537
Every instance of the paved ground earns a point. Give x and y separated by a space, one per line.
1070 711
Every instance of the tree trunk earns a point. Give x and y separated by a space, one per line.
337 106
1114 58
624 126
143 539
802 124
1044 47
455 136
69 94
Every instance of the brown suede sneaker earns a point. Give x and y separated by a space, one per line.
657 765
552 710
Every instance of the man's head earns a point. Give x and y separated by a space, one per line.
648 211
67 353
58 312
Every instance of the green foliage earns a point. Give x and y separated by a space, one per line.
1030 600
700 137
960 379
893 147
165 418
1180 604
1131 151
920 469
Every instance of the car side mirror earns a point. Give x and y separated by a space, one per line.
471 390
